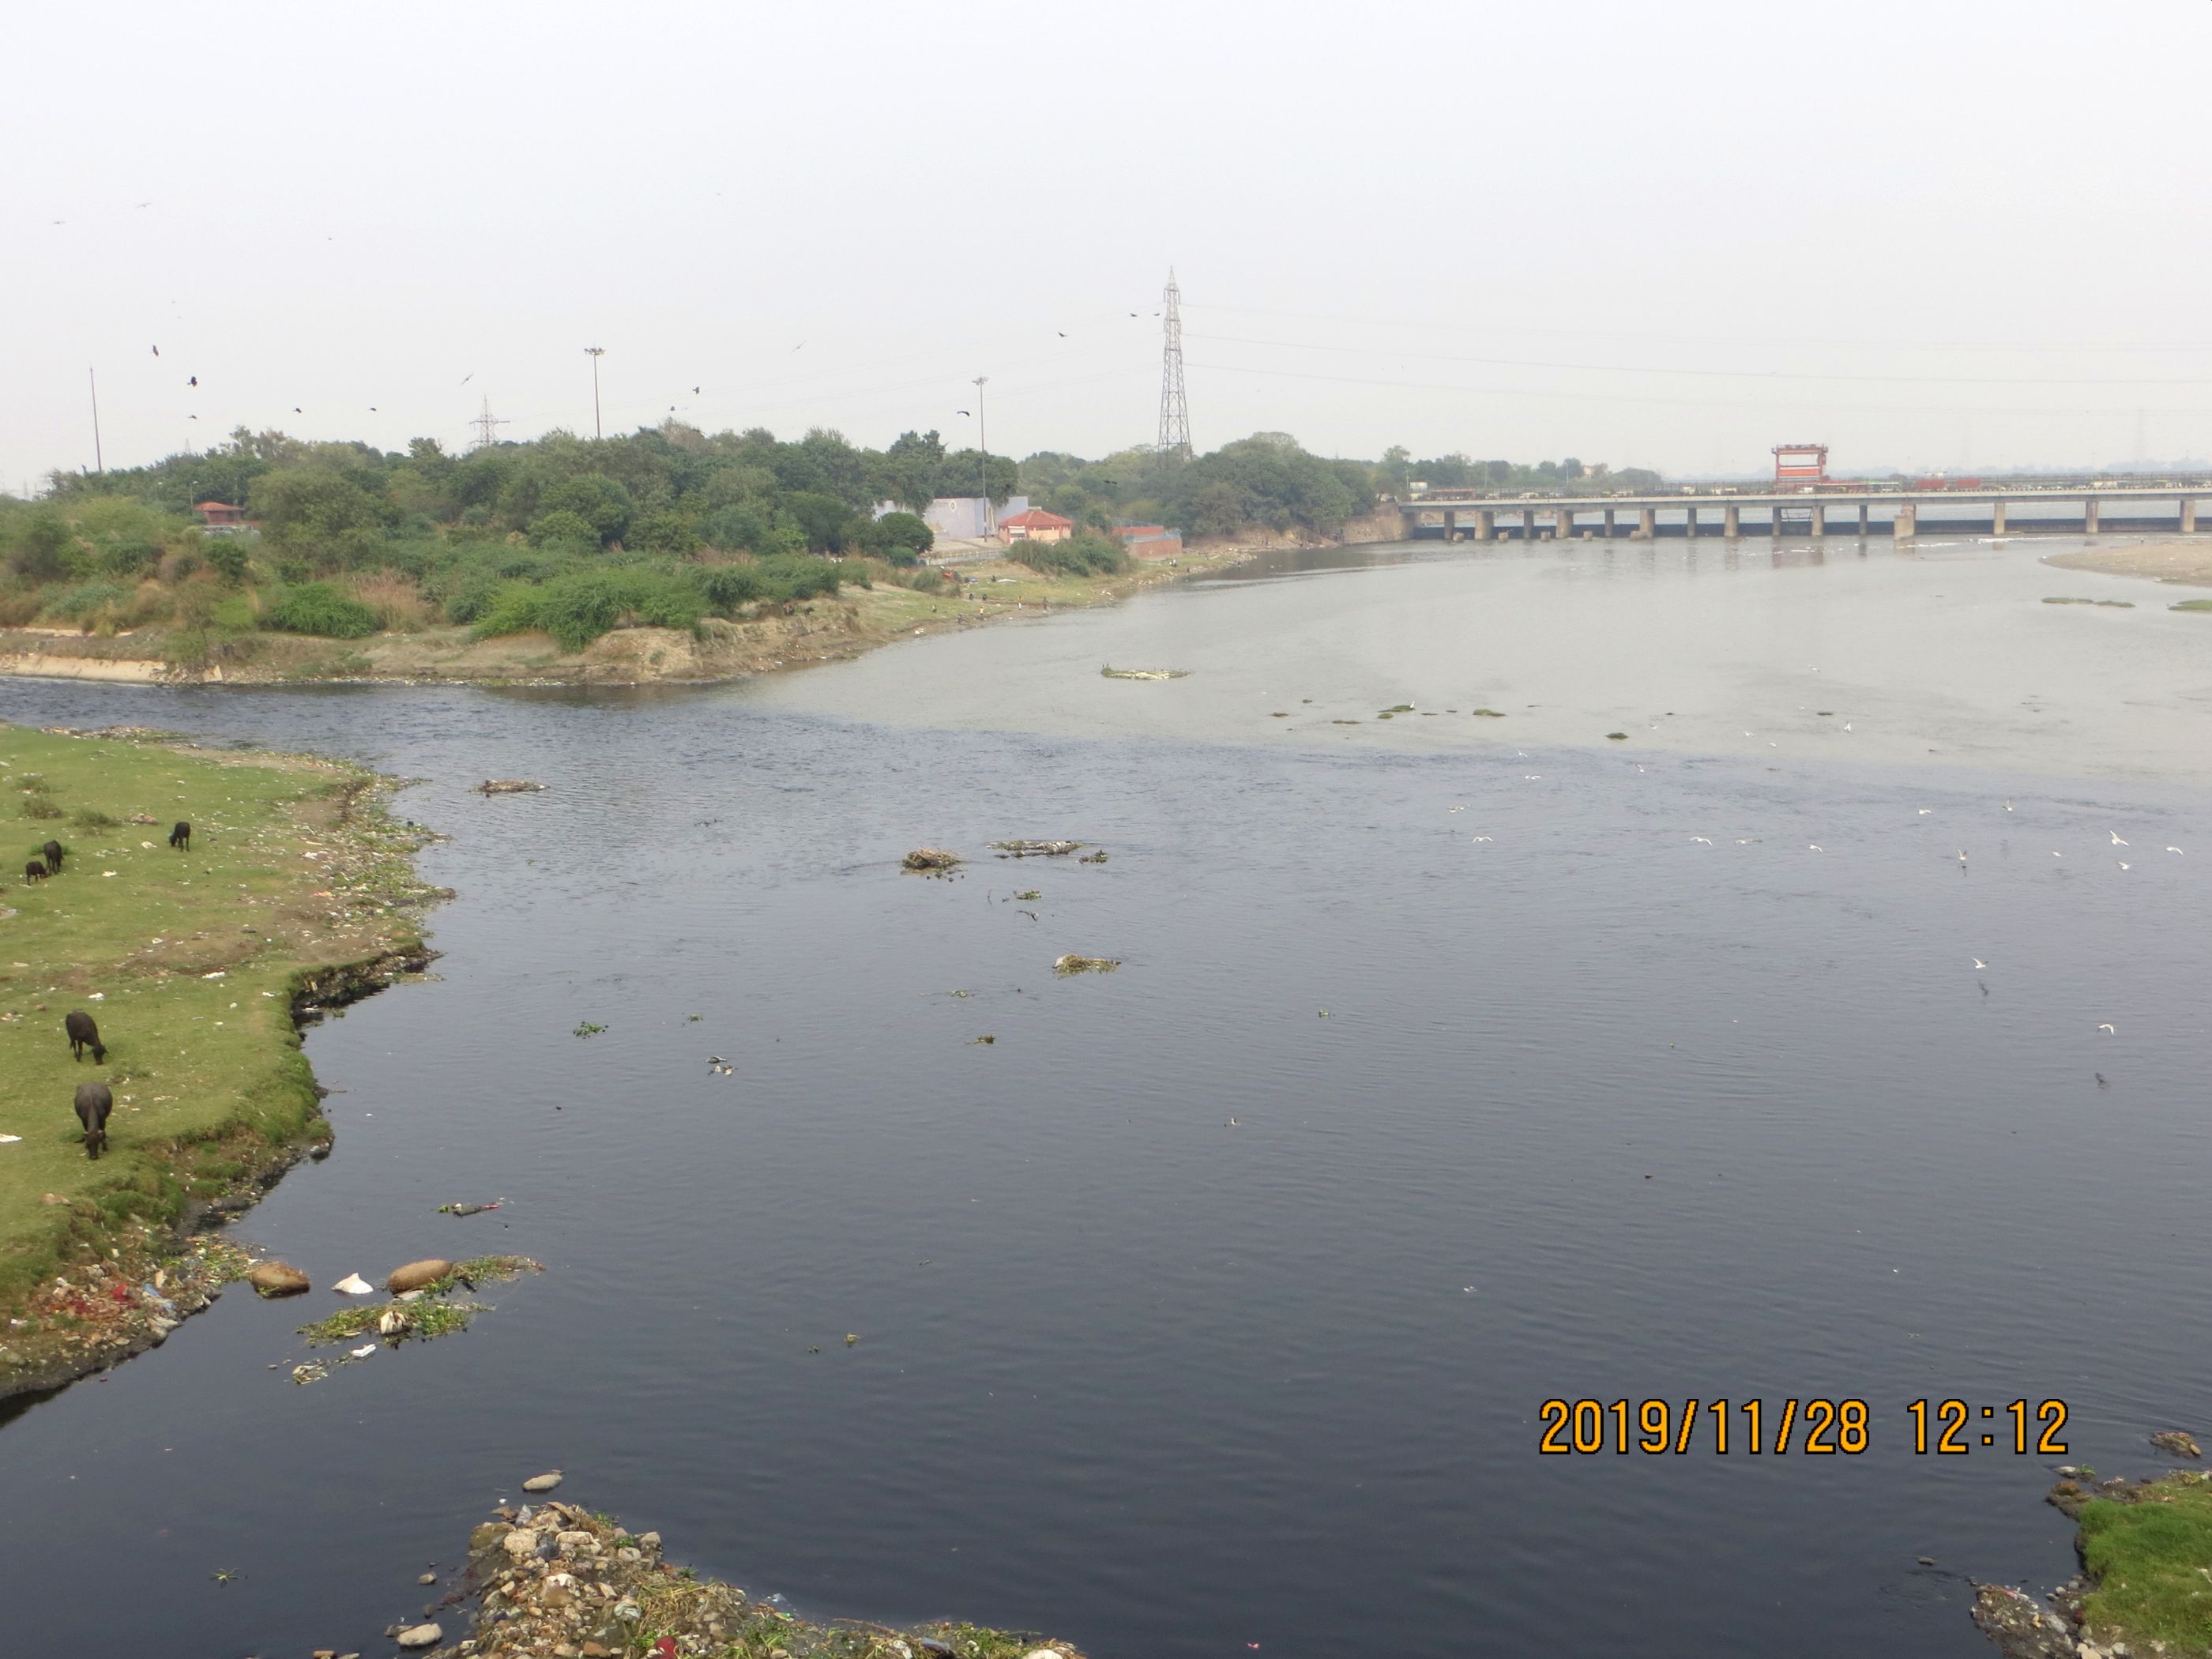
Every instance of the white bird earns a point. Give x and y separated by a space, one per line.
1978 962
1962 855
2175 849
1708 843
2058 855
1459 809
2007 806
1847 726
1926 811
2108 1031
1817 847
1482 838
1532 777
2117 842
2123 863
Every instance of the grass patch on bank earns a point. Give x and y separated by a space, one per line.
2192 605
189 963
2152 1559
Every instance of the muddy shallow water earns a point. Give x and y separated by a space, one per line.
1590 1108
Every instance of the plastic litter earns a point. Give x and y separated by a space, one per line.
355 1285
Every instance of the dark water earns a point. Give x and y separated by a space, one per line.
1597 1110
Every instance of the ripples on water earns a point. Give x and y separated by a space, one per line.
1596 1110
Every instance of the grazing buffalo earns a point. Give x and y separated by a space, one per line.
181 836
94 1101
83 1035
35 869
52 849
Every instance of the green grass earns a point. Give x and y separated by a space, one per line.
2192 605
188 961
2152 1559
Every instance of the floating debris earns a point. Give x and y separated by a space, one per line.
1112 673
931 858
355 1285
1035 849
508 786
272 1279
1489 714
1075 964
470 1209
2179 1443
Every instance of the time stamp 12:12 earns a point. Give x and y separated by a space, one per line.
1811 1428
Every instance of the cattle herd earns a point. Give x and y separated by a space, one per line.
94 1100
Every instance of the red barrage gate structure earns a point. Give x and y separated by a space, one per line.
1799 466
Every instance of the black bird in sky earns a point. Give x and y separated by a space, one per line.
963 412
296 409
695 391
157 351
1061 332
193 381
466 378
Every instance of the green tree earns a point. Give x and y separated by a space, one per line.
828 524
316 514
42 545
562 528
599 500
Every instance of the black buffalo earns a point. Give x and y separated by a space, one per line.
52 849
93 1103
35 869
181 836
83 1035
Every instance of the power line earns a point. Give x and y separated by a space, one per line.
1174 404
487 425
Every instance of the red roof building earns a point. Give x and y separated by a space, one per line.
221 513
1035 526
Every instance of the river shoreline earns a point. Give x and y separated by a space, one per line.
797 635
2178 563
103 1260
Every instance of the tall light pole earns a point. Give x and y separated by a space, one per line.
983 443
99 460
595 352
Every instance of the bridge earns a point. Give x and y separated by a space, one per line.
1893 510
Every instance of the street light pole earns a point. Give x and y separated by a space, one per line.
595 352
983 443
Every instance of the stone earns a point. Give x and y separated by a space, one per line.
428 1578
415 1274
277 1279
420 1636
594 1651
545 1482
520 1543
649 1541
569 1543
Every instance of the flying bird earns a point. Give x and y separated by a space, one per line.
296 410
193 380
157 351
1817 847
1926 811
695 391
2123 863
2108 1031
963 412
466 378
1061 332
1978 962
2176 849
2117 842
1702 838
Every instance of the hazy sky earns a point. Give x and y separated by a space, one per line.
1963 234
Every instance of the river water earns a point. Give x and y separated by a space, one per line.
1559 1067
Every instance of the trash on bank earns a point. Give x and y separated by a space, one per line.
1075 964
1113 673
354 1285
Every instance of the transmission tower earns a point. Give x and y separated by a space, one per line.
1174 407
487 425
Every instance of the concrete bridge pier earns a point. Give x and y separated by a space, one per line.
1819 520
1732 521
1906 526
1565 520
1997 518
1690 523
1486 524
1774 521
1527 524
2188 516
1862 520
1608 524
2089 516
1647 523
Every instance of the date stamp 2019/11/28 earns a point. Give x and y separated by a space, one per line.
1810 1427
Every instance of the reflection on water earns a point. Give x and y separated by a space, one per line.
1574 1072
1940 651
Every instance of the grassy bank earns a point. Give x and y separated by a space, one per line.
297 890
768 638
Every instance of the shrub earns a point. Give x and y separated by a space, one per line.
90 819
795 576
727 587
318 608
665 532
577 608
900 538
88 604
38 806
743 526
18 606
563 528
1081 555
395 601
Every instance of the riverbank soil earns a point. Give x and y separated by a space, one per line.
2146 1549
558 1580
2187 563
857 620
297 891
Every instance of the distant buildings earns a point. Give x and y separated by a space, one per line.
1149 541
963 518
221 516
1035 526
